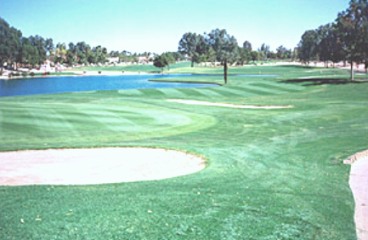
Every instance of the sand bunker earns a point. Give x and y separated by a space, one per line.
358 182
229 105
94 166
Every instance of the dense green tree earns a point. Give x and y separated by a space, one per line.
71 57
40 44
308 46
10 43
60 53
194 46
283 53
254 55
329 45
82 51
247 46
210 55
29 54
100 54
264 51
352 26
164 60
225 46
245 53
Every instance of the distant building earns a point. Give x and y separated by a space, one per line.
113 60
143 60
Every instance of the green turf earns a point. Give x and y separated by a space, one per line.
272 174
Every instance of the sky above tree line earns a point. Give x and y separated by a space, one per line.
158 25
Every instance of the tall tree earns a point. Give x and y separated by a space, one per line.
10 43
40 44
29 53
60 53
265 51
82 51
193 45
308 46
283 53
247 46
225 46
245 53
352 26
329 45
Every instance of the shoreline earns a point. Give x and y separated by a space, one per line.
78 74
357 69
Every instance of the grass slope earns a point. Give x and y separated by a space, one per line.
272 174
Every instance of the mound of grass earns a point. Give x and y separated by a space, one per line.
272 174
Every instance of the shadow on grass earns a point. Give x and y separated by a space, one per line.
297 66
324 81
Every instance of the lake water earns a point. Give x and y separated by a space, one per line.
49 85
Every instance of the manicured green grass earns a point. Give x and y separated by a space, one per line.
272 174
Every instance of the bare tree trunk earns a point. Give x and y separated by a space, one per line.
225 71
352 70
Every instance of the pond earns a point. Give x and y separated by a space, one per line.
63 84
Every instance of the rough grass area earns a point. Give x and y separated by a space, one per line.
272 174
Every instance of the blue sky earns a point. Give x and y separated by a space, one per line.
158 25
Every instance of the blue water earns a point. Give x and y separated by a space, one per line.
49 85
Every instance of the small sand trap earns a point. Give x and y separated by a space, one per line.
358 182
229 105
94 166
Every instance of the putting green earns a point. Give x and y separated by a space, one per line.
65 122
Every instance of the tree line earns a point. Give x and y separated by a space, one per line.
35 50
220 46
345 39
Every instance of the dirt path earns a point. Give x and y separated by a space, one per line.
94 166
359 185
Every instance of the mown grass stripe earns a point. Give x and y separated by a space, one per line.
152 92
249 90
191 92
265 89
209 93
112 120
79 120
284 88
134 92
227 92
172 92
53 121
63 124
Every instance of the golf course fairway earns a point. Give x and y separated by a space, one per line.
271 173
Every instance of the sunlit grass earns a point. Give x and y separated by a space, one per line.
272 174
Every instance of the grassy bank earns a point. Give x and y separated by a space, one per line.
272 174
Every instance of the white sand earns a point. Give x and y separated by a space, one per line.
94 166
229 105
359 186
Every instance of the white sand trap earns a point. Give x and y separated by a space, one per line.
358 182
229 105
94 166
